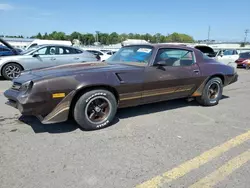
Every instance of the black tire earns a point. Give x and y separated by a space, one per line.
247 67
13 66
87 105
206 98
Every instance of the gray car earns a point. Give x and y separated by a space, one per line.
42 56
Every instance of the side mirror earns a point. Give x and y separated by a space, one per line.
36 54
221 54
161 63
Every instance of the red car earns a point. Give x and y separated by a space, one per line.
243 57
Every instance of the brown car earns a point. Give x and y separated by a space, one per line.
135 75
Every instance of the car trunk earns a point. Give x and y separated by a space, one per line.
206 50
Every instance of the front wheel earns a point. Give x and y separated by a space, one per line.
211 93
11 71
95 109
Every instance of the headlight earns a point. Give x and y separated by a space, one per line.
26 86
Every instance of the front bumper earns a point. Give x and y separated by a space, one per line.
234 79
39 108
19 101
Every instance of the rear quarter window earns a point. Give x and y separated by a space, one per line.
206 56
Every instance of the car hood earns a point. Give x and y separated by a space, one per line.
78 68
9 46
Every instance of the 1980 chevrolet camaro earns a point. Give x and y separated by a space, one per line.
135 75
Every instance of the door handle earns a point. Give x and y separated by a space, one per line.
196 71
53 59
76 58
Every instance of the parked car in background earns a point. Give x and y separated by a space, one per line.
6 49
242 59
109 52
246 64
227 56
38 42
42 56
102 56
135 75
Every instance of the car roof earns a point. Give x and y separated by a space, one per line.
245 52
162 45
61 45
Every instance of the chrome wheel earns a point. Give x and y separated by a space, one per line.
98 110
12 71
213 91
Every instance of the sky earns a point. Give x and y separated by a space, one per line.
228 19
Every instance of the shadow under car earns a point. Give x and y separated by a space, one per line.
70 125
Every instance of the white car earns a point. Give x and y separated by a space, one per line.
227 56
103 55
42 56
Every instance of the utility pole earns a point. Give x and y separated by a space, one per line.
246 33
208 34
97 32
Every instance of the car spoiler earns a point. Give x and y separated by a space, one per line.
9 46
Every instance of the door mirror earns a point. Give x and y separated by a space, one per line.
161 63
35 54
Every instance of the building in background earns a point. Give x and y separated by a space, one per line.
21 43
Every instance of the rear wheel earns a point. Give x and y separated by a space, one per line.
95 109
211 93
11 71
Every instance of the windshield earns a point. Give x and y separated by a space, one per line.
29 50
245 55
130 54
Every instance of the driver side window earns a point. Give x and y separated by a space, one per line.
175 57
228 52
49 50
42 51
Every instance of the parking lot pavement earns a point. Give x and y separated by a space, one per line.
168 144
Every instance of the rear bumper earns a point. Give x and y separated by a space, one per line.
240 65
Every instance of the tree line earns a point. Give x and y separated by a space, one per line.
112 38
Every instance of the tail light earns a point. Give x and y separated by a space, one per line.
247 61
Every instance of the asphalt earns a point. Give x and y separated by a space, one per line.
168 144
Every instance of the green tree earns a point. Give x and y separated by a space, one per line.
88 39
75 35
157 37
175 37
114 38
242 44
45 36
186 38
39 36
147 37
131 36
123 37
104 38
